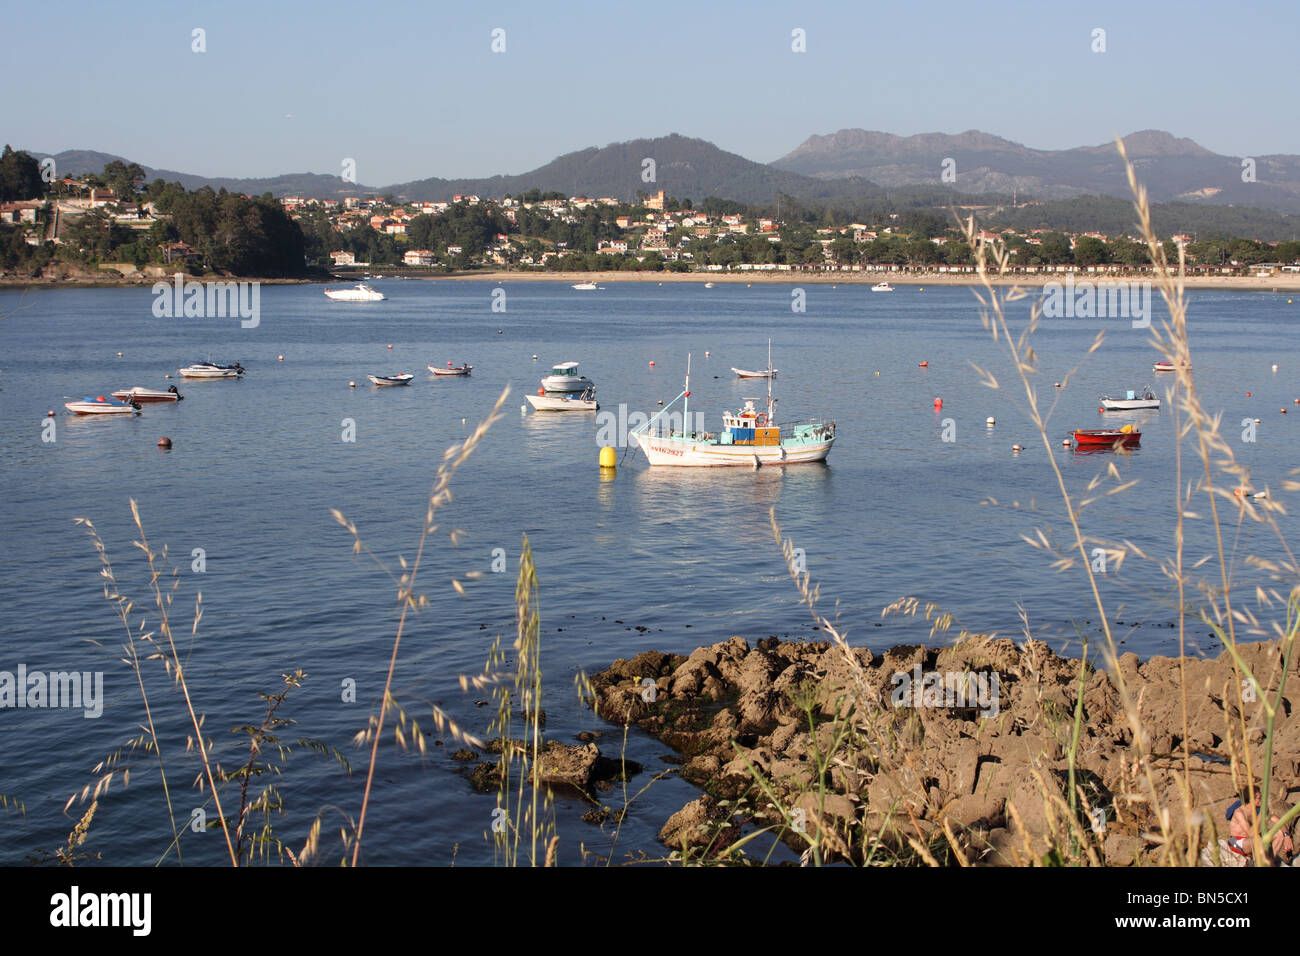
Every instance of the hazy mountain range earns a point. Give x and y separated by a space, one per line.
1172 169
849 167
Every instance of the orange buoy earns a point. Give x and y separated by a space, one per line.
279 358
924 365
938 403
1248 394
164 442
652 364
1100 409
541 391
390 346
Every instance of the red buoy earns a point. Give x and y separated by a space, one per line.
938 403
924 365
652 364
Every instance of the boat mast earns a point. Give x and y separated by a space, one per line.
770 420
686 392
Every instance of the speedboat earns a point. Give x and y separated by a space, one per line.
565 378
750 438
882 287
138 394
210 370
584 401
102 406
403 379
584 286
451 369
746 373
708 285
1131 402
1126 437
360 293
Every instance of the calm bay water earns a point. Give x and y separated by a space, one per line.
681 558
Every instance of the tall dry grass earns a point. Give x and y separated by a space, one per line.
864 736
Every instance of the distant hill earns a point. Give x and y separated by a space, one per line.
857 174
1172 169
684 168
75 162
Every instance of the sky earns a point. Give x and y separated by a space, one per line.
410 90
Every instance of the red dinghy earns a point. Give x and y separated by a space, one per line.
1127 436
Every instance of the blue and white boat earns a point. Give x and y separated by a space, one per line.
102 406
749 438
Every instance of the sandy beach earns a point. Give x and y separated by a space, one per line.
1287 283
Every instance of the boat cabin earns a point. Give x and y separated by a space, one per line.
749 426
566 370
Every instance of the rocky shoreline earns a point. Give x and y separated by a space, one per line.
850 754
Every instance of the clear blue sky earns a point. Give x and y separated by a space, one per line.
412 89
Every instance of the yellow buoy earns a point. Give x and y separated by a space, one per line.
608 457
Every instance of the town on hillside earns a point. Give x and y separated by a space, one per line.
114 222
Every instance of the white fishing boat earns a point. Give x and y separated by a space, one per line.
402 379
750 438
359 293
450 369
102 406
882 287
565 378
585 286
1131 402
584 401
1169 366
746 373
211 370
138 394
708 285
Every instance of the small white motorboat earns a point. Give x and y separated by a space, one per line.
1131 402
360 293
585 401
746 373
585 286
882 287
210 370
451 369
403 379
138 394
102 406
1169 366
708 285
565 378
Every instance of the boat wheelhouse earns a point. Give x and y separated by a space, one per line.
565 378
